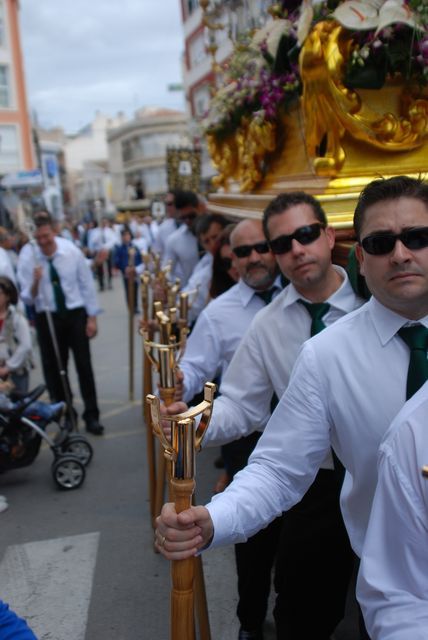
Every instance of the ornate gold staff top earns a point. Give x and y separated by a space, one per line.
167 353
185 439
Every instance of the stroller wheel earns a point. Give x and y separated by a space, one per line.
78 446
68 472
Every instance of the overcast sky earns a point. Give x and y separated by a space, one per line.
82 55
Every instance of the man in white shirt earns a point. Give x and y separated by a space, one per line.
55 276
167 226
208 228
348 384
181 248
392 583
101 242
314 538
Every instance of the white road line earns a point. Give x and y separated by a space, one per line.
49 584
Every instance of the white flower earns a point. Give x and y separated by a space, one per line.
305 21
374 14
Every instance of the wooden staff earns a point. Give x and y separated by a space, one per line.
148 389
131 312
181 452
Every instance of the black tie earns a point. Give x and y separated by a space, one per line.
416 338
267 295
317 311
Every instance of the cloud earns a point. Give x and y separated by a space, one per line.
82 56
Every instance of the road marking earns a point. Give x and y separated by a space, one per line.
49 584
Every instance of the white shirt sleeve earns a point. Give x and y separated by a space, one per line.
284 463
393 584
245 395
202 357
23 342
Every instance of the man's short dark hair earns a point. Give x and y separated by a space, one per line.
42 218
204 222
388 189
287 200
186 199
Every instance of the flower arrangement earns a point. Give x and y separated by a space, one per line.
262 75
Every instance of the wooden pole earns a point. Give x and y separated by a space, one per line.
147 389
182 573
131 322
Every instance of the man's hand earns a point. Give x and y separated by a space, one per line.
180 536
91 327
129 271
4 371
172 410
37 276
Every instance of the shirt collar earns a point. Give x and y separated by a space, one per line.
246 293
387 322
343 298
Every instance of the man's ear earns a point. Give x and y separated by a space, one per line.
360 257
331 236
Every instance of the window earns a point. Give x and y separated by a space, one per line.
4 87
9 148
197 50
192 5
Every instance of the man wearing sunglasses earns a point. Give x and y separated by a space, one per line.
314 537
181 247
348 384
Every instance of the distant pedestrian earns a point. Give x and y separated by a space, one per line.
56 278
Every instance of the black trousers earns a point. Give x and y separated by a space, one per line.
314 563
70 331
254 558
99 270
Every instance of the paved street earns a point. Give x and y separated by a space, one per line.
80 565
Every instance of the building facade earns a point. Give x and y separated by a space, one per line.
16 144
138 149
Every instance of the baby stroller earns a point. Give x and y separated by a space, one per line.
21 437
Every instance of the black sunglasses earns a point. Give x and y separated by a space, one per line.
245 250
379 244
304 235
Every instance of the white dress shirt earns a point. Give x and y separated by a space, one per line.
102 238
264 360
182 251
200 280
393 580
166 228
6 267
77 280
216 335
347 385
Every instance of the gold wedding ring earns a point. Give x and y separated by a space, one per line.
162 541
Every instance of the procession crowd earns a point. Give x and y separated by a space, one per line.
322 391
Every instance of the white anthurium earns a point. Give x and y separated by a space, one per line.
304 22
376 14
393 11
272 33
